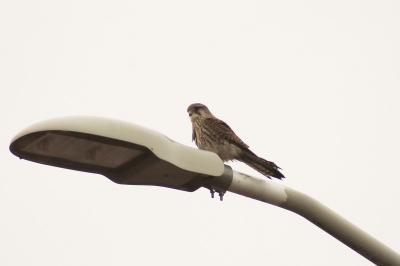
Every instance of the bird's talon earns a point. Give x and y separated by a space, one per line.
212 191
221 196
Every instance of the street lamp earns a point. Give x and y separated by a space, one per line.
133 155
125 153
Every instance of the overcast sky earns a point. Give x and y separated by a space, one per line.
310 85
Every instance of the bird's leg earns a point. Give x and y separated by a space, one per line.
212 191
221 195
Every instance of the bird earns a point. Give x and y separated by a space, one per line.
214 135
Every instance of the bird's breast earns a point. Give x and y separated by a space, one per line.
210 140
226 151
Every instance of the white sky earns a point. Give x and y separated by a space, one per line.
312 86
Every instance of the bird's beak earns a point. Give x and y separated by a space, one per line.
190 113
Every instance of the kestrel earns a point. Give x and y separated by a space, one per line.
212 134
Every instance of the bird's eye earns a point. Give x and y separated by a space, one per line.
190 114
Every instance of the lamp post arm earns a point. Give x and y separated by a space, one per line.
317 213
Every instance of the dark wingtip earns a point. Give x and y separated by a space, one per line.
267 168
278 175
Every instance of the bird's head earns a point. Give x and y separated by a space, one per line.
197 110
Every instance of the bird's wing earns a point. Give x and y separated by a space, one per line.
223 131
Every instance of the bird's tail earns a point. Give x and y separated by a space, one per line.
263 166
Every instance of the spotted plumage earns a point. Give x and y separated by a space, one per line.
211 134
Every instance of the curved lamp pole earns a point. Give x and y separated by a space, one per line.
133 155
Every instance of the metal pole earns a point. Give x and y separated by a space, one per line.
317 213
